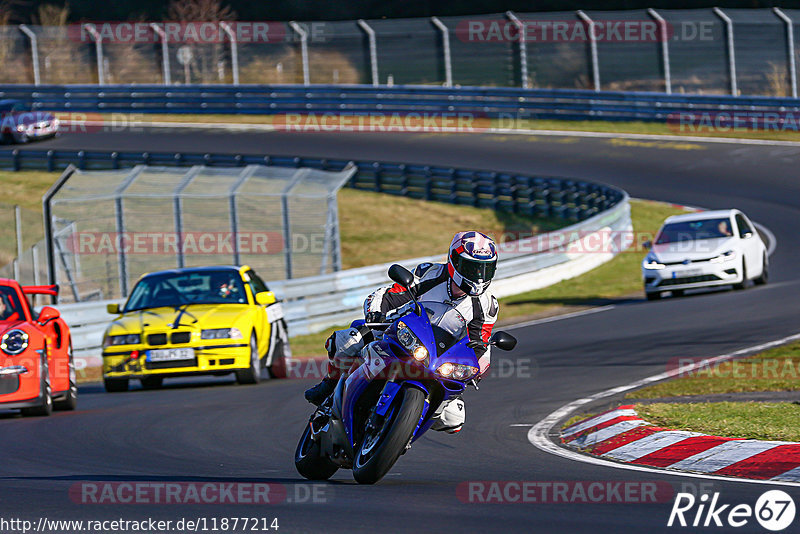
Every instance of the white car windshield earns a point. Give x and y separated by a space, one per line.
695 230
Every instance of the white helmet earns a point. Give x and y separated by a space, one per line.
472 262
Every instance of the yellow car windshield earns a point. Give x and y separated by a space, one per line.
193 287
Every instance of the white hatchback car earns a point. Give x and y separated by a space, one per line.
703 249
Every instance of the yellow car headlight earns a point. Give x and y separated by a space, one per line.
123 339
221 333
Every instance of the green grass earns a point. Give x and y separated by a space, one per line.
776 369
753 420
633 127
397 227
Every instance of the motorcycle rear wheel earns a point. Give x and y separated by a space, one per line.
309 462
381 448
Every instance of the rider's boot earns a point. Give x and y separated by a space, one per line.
317 394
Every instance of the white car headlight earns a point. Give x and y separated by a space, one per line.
651 262
725 256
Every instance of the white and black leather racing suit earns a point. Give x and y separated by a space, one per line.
432 284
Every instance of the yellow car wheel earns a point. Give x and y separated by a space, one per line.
251 375
115 385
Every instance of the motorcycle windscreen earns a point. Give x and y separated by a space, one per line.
449 326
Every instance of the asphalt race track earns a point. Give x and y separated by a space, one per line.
213 430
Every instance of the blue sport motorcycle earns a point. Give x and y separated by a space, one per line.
422 361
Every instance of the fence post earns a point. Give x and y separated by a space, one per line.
790 47
303 50
178 209
164 52
523 48
731 54
234 51
297 177
34 52
98 45
47 214
18 235
593 47
246 173
662 25
373 51
122 258
448 66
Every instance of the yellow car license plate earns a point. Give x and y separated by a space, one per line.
169 355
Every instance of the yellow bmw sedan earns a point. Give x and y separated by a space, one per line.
195 321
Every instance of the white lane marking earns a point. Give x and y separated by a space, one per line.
723 455
521 424
773 241
500 131
597 420
539 433
581 313
649 444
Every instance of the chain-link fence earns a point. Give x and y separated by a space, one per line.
110 227
738 51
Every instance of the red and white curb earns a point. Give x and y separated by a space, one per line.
623 436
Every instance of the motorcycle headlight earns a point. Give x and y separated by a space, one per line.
20 127
14 342
124 339
652 263
457 371
405 336
221 333
420 353
725 256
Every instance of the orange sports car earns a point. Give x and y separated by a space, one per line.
37 373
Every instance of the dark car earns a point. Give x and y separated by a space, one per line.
20 124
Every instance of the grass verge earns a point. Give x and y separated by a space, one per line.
632 127
776 369
752 420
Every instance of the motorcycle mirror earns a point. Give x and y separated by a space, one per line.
401 275
503 340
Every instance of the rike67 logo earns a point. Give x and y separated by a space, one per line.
774 510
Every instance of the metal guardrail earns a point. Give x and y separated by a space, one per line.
492 102
532 195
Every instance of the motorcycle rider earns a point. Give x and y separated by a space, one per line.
462 283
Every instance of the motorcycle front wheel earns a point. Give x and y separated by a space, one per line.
308 460
383 445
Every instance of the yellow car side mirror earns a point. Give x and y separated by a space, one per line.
265 298
113 309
